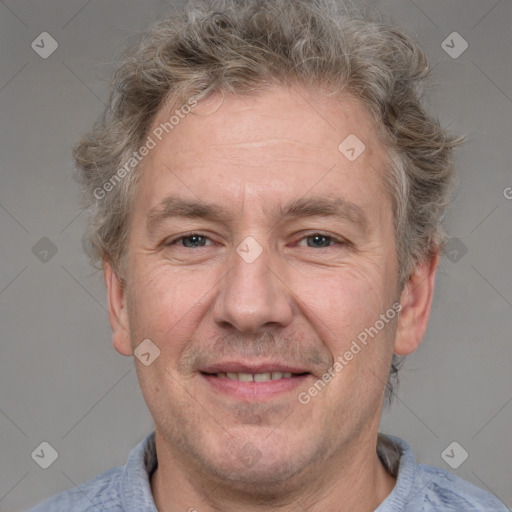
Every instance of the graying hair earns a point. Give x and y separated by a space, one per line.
246 46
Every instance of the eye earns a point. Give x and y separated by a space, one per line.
314 240
321 241
191 241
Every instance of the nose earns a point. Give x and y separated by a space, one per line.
253 296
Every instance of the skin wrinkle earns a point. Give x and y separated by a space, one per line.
294 303
173 208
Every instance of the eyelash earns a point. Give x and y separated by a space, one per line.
333 239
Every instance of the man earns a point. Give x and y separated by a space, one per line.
265 193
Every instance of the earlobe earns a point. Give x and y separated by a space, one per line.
117 312
416 302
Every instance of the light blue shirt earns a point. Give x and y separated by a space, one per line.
419 488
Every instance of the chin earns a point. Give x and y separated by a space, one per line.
263 468
263 482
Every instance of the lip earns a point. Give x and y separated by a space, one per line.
254 391
240 367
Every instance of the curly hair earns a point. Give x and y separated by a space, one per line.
245 46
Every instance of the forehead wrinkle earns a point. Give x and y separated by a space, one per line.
172 206
176 207
281 150
262 142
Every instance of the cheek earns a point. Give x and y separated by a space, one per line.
341 311
342 303
164 305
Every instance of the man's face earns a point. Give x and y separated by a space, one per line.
199 289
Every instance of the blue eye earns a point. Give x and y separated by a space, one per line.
319 240
314 241
191 241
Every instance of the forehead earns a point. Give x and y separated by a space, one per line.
313 119
277 145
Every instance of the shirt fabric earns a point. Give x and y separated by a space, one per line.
418 488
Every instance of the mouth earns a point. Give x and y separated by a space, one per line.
255 377
253 383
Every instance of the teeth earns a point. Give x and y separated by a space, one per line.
245 377
262 377
255 377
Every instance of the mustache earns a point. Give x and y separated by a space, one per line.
290 349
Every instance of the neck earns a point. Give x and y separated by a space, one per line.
353 480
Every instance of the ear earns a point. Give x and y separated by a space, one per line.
416 301
117 311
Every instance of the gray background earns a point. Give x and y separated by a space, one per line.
60 379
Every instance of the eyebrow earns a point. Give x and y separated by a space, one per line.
176 207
